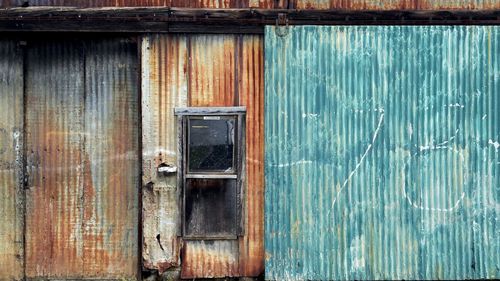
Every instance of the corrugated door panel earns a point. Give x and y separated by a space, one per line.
164 87
211 70
211 83
382 152
199 70
11 161
111 163
54 128
82 152
251 94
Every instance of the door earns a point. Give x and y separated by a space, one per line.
82 133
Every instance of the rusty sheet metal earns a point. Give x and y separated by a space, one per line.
398 4
199 70
210 258
212 70
164 87
251 94
272 4
383 153
132 3
11 161
82 151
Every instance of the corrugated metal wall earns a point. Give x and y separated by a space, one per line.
199 70
11 161
82 159
272 4
382 152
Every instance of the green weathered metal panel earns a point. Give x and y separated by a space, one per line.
382 152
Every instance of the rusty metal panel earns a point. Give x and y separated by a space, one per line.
210 259
211 70
251 94
55 106
399 4
382 152
111 164
164 87
357 4
11 161
199 70
82 151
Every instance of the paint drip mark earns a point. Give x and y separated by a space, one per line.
368 149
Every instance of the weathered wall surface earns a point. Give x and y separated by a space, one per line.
11 161
82 159
382 153
272 4
199 70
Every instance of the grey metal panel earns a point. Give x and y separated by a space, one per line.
382 152
82 134
11 161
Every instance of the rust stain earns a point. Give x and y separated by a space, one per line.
82 211
251 91
212 70
200 70
164 87
210 259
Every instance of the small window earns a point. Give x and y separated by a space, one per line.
212 149
211 144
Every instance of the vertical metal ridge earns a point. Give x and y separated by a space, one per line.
381 162
251 92
212 70
11 161
53 159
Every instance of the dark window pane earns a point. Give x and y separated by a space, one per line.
210 208
211 144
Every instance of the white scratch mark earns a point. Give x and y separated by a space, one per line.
414 205
410 130
439 145
494 143
484 116
300 162
456 105
375 134
310 115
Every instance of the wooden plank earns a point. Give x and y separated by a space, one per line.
161 19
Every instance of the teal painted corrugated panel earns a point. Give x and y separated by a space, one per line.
382 152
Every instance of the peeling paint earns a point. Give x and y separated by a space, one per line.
404 192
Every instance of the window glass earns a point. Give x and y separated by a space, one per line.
210 208
211 144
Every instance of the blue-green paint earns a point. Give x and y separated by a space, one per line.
382 152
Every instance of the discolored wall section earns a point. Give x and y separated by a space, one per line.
11 161
82 159
199 70
382 152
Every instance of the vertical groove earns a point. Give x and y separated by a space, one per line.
391 145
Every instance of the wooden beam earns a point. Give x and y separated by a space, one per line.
220 20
